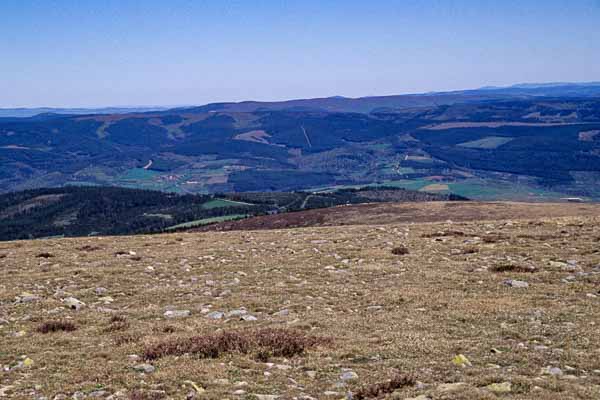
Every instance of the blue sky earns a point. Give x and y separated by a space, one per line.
176 52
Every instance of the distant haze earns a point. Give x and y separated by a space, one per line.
123 53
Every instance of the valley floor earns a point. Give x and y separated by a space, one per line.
498 305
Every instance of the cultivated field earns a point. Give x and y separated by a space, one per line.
501 302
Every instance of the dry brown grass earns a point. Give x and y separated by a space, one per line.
266 342
513 268
376 390
385 313
56 326
400 250
117 323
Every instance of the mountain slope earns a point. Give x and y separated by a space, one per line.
517 298
92 211
539 148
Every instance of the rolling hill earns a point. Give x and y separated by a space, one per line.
527 142
93 211
502 303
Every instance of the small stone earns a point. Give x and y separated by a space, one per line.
400 396
236 313
451 387
106 299
516 284
249 318
27 297
554 371
311 374
145 368
73 303
78 396
348 376
504 387
177 313
266 397
215 315
100 291
98 393
282 313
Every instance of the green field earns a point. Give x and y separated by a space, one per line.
474 189
206 221
136 174
490 142
220 203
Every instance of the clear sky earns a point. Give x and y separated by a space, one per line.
180 52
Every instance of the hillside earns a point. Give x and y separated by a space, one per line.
92 211
483 146
493 308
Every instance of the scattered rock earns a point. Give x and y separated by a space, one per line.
215 315
73 303
516 284
504 387
236 313
98 393
554 371
27 297
451 387
349 376
145 368
177 313
100 291
282 313
399 395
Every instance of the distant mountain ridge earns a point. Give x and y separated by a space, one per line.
525 143
24 112
364 104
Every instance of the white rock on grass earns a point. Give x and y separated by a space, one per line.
516 284
73 303
177 313
26 297
349 376
215 315
236 313
145 368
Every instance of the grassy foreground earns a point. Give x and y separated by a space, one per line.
448 310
